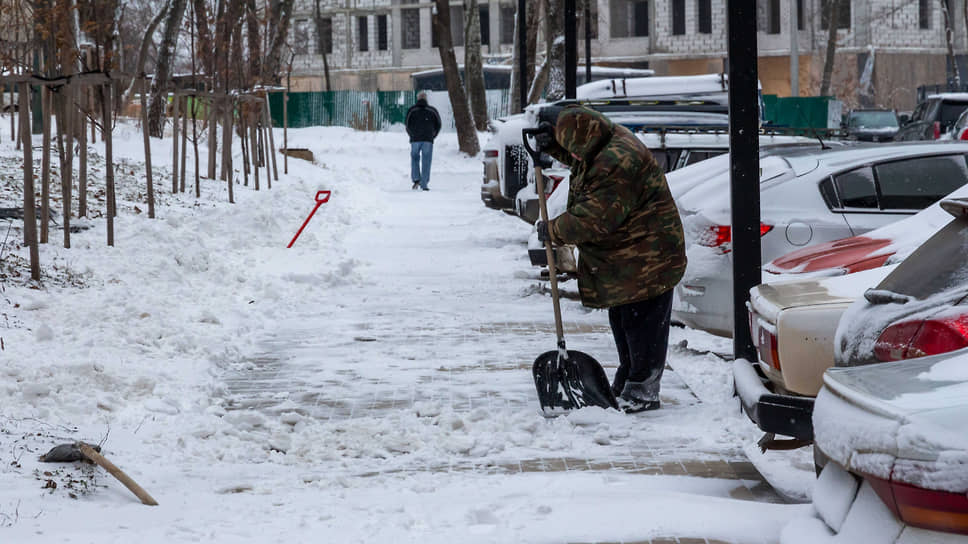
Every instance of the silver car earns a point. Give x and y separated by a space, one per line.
808 194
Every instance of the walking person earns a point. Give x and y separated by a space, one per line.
423 125
623 219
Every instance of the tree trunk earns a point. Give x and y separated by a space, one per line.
204 51
255 45
163 68
473 65
466 135
146 41
533 20
556 50
949 35
515 92
30 210
828 63
280 15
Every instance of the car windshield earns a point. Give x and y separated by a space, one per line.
872 119
938 265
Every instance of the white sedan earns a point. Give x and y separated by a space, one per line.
808 195
894 444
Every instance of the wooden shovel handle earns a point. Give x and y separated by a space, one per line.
100 460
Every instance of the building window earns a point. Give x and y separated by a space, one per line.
842 16
629 18
381 32
773 17
705 16
800 23
678 17
507 23
300 37
324 42
485 26
456 27
410 26
924 14
364 33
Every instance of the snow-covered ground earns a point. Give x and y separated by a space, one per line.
372 383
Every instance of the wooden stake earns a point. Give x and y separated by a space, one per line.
174 148
45 103
272 143
106 104
212 136
285 129
30 209
66 111
82 159
254 151
147 140
102 462
184 142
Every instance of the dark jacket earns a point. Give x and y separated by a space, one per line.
620 213
423 122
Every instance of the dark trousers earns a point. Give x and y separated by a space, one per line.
641 331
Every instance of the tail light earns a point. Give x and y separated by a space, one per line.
964 135
767 346
924 508
912 339
490 153
720 236
937 130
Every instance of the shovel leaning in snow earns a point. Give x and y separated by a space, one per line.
79 451
565 379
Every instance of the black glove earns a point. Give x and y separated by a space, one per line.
543 234
545 139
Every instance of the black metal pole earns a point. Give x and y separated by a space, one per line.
523 52
588 43
744 166
571 49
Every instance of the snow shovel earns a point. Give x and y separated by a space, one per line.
565 379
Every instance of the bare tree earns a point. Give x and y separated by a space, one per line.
146 42
466 135
473 65
833 10
555 47
163 68
949 35
280 16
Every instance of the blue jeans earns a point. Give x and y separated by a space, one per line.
420 155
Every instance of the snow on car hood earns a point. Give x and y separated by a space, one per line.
714 191
769 299
902 420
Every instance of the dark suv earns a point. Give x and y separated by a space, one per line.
933 117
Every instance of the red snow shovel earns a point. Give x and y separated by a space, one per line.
565 379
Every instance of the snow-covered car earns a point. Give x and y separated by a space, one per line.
808 194
893 444
886 245
792 324
920 308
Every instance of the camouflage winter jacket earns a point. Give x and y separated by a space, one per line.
620 212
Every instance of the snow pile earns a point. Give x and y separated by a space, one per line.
347 387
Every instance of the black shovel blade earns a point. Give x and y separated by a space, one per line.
570 383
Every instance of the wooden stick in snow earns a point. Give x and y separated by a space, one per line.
102 462
147 140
